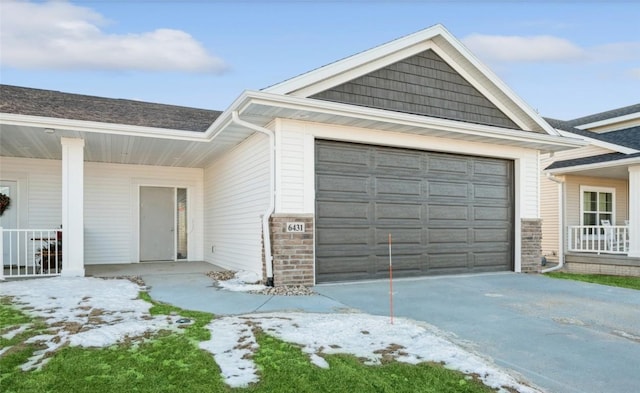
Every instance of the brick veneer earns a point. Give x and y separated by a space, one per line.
531 245
293 258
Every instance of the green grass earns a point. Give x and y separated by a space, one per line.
172 362
614 281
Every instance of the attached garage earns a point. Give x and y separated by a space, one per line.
446 213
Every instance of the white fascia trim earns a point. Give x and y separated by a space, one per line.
597 165
101 128
328 107
599 143
606 122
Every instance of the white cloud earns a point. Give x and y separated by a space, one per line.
523 49
61 35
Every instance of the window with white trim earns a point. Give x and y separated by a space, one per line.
597 204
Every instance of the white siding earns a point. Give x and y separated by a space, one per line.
237 195
111 208
110 203
43 190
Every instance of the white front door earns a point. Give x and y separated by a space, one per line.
9 220
157 224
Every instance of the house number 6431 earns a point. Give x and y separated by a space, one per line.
295 227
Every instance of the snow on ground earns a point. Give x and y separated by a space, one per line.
87 312
242 281
362 335
93 312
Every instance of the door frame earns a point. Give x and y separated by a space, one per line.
22 196
135 213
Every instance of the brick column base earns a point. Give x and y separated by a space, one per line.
293 258
531 245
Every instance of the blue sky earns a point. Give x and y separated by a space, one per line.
565 59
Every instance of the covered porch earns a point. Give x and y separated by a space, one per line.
599 213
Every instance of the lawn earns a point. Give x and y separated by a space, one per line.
170 361
614 281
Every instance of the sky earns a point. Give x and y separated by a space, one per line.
122 315
566 59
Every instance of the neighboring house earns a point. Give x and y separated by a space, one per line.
591 195
304 180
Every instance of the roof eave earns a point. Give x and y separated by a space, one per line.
597 165
312 106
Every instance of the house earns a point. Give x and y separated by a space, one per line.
414 141
591 195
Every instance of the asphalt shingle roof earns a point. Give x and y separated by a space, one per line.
48 103
627 110
591 160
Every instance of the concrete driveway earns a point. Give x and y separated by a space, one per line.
564 336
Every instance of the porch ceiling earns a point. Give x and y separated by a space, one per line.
34 142
612 172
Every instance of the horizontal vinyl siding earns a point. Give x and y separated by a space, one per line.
110 203
237 195
44 189
111 208
549 210
573 197
291 172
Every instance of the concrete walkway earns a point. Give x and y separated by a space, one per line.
184 284
565 336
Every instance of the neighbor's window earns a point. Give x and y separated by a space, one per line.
597 205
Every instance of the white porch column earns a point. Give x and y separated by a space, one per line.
634 211
72 207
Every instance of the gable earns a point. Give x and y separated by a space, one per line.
423 84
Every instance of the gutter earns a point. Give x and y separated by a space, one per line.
235 118
561 193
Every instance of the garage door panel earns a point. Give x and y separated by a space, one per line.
344 154
448 164
448 189
343 184
343 210
489 213
398 211
391 161
482 191
343 236
386 187
442 236
446 213
492 168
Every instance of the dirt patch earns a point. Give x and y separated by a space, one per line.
222 276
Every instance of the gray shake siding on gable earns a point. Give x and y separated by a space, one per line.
424 85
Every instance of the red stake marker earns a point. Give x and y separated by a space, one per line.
390 282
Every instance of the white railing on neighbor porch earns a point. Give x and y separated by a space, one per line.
608 239
31 252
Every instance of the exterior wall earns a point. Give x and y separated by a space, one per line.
295 165
573 184
550 198
293 256
39 188
531 245
616 265
112 208
110 203
236 196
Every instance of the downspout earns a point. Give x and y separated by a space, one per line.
235 118
561 191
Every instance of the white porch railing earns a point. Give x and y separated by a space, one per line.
611 239
31 252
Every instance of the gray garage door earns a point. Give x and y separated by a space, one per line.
446 213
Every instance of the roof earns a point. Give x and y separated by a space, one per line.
55 104
627 110
627 137
591 160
